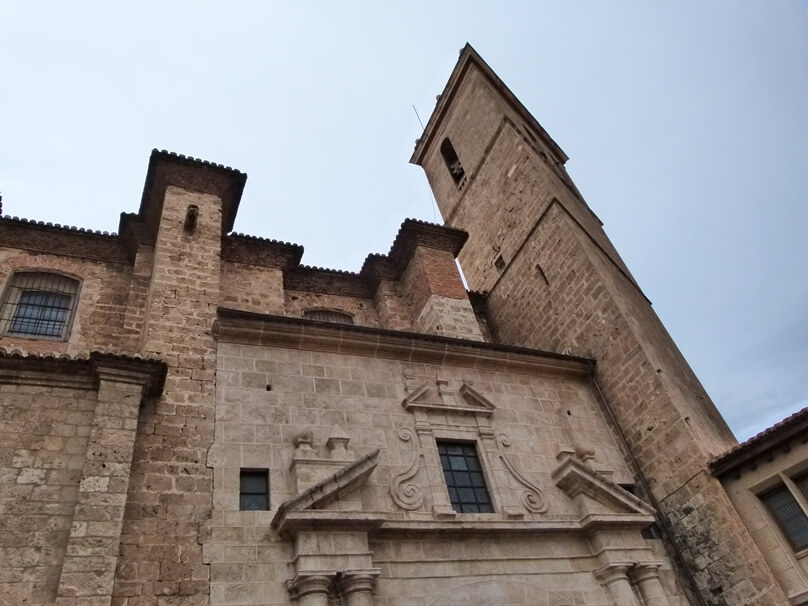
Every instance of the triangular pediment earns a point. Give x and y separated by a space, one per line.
330 489
596 496
465 400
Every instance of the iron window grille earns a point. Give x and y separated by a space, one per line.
327 315
254 490
789 516
39 305
464 478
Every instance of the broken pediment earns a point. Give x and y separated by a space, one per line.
440 398
307 509
600 501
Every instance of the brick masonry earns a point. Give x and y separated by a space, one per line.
555 282
189 358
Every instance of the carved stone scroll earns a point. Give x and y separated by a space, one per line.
533 498
406 494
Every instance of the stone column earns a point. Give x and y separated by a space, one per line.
310 589
358 587
614 577
646 576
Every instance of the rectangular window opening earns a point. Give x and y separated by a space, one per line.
464 477
254 490
789 516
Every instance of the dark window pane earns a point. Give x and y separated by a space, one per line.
254 483
253 502
481 494
467 490
40 314
254 490
462 478
789 515
466 495
458 463
325 315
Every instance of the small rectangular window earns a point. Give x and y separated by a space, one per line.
464 477
789 516
254 490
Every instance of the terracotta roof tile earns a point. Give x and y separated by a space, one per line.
761 442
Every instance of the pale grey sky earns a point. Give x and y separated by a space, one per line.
686 124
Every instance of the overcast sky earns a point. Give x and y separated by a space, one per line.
686 124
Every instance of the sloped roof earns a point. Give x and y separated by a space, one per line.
761 443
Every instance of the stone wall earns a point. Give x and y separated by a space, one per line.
268 399
43 441
102 301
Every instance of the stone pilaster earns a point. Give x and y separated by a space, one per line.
92 549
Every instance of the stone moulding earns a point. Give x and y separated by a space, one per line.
600 501
476 403
79 371
267 330
533 498
306 509
406 494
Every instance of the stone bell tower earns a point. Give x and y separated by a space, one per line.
555 282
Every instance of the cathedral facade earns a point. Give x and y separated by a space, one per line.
190 416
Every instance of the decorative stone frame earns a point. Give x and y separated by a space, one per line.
434 422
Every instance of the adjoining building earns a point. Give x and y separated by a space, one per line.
191 416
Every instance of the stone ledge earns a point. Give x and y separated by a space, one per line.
80 371
296 333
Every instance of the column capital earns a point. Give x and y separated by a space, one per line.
304 584
613 572
642 571
351 581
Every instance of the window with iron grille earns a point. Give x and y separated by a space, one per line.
464 477
789 515
326 315
254 490
39 304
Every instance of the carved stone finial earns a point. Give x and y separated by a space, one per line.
585 453
337 443
303 444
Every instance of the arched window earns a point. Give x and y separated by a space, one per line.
452 161
38 304
326 315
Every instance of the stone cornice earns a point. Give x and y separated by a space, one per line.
297 333
80 371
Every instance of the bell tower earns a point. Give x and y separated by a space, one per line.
555 282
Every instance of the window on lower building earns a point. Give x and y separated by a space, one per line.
464 477
327 315
39 304
254 490
789 515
